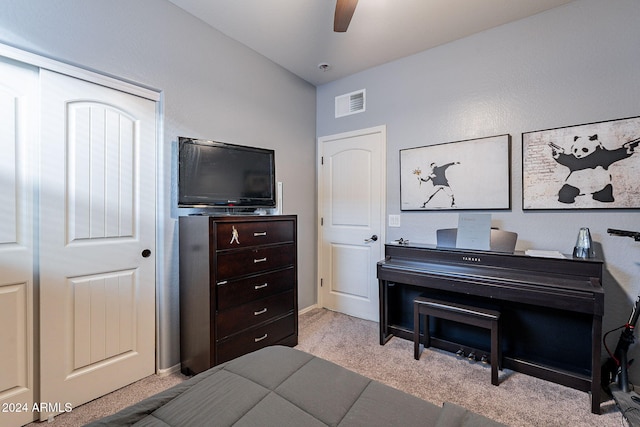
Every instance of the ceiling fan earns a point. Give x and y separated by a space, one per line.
343 14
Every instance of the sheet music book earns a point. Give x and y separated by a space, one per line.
544 254
474 232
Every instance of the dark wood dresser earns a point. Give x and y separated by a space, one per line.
238 287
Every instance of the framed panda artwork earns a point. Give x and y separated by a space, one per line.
589 166
462 175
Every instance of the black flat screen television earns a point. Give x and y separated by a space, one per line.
217 174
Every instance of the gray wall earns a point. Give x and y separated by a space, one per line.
572 65
213 88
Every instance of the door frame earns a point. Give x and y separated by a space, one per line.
50 64
382 129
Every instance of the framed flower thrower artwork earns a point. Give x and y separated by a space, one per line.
464 175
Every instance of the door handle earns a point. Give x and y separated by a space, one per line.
371 239
146 253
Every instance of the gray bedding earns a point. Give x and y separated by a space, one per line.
281 386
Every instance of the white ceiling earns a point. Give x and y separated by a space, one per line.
298 34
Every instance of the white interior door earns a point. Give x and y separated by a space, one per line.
352 211
97 240
18 97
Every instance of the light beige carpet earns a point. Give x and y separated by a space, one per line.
520 400
113 402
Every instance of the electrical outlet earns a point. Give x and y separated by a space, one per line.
394 220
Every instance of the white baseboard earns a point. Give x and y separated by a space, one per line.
304 310
168 371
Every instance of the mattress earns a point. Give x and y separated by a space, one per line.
282 386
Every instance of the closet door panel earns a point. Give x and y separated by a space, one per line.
18 96
101 143
98 217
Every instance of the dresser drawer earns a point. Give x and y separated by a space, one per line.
250 314
240 291
251 261
256 338
253 233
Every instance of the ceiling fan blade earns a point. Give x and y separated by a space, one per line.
343 14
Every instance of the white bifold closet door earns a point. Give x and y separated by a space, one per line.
97 205
18 132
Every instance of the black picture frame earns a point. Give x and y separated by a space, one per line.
588 166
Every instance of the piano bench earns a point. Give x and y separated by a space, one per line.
469 315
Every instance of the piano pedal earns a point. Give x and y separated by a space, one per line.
471 356
484 359
460 353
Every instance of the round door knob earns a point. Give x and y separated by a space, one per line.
146 253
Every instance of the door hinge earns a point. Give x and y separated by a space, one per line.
321 281
322 160
321 222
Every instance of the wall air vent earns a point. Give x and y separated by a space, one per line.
350 103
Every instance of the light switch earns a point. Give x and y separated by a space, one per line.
394 220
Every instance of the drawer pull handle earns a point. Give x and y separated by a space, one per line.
255 261
261 233
256 287
260 338
259 312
